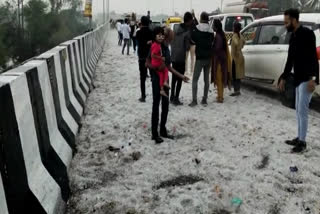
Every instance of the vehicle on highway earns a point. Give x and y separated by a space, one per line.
228 20
267 44
154 24
172 26
258 8
172 20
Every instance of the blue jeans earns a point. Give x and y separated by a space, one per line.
303 98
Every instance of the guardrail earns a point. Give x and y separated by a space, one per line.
41 104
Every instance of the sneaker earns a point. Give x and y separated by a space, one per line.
293 142
177 102
157 140
302 146
167 136
172 99
235 94
142 99
193 104
204 102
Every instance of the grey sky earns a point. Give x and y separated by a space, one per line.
158 6
155 6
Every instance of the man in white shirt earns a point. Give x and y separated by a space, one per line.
126 30
119 24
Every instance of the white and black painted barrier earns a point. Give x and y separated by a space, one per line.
41 104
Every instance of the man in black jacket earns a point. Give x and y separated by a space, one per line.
144 38
303 59
203 37
179 47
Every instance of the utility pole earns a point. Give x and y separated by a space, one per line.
104 11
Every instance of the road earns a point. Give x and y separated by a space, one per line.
222 152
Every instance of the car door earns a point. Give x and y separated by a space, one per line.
250 34
271 51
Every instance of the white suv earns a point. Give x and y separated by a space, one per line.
267 45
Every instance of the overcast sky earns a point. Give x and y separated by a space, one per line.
155 6
158 6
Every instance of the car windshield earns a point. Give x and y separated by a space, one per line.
243 20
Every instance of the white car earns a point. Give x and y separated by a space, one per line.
267 45
228 19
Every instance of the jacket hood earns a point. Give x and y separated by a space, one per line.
204 27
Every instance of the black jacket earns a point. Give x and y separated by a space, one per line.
203 37
302 57
143 36
180 43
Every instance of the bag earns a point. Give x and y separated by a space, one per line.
288 96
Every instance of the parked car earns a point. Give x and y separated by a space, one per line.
228 19
154 24
172 20
174 25
267 44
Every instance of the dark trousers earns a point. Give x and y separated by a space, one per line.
126 44
236 82
155 106
120 38
134 43
143 76
176 81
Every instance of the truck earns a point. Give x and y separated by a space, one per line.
258 8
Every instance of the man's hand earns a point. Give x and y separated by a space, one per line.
282 85
149 42
163 59
185 79
311 86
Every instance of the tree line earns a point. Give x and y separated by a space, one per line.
46 26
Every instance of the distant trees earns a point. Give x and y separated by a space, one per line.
46 26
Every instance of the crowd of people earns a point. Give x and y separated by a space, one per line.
164 50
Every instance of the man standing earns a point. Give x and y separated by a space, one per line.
203 37
126 30
144 38
303 59
156 92
133 35
119 29
179 47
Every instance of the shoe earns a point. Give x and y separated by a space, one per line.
157 140
204 102
302 146
164 134
177 102
193 104
235 94
167 136
219 100
293 142
172 99
142 100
